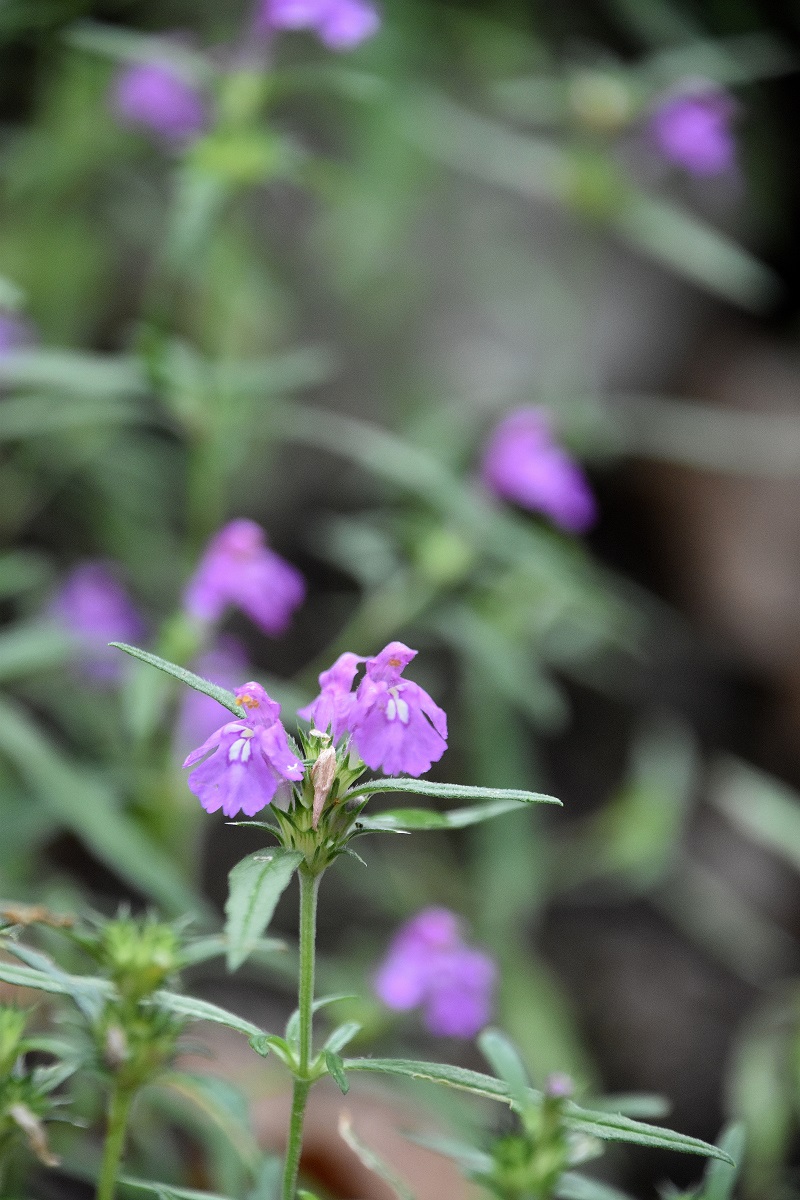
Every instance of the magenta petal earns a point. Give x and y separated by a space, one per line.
390 663
218 736
402 981
282 758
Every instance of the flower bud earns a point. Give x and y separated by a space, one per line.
323 774
115 1050
33 1129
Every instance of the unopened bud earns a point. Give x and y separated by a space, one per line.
115 1051
559 1086
33 1129
323 774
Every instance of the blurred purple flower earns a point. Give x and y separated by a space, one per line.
238 568
15 333
94 607
333 706
523 464
396 726
429 965
693 130
340 24
246 761
156 96
199 715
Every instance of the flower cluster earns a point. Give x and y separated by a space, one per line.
429 965
339 24
693 130
94 608
523 463
395 725
244 764
155 96
238 568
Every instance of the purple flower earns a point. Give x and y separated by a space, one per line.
156 96
523 464
693 131
396 726
94 607
15 333
340 24
239 568
246 761
429 965
224 664
333 706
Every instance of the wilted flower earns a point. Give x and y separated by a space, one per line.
238 568
94 607
693 130
523 464
246 761
333 706
15 333
224 664
340 24
429 965
156 96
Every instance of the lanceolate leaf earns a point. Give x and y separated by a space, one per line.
503 1057
336 1071
256 885
293 1024
447 791
578 1187
608 1126
407 820
201 1010
371 1160
166 1191
220 694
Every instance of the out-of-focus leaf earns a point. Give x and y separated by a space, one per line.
720 1178
89 809
166 1191
86 991
268 1183
572 1186
760 806
222 1104
502 1056
26 417
371 1160
255 886
87 375
21 571
125 45
448 791
293 1024
469 1158
216 946
760 1094
220 694
34 646
342 1036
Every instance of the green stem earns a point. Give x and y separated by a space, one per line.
309 886
118 1109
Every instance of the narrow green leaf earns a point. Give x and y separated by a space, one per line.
720 1177
27 417
607 1126
572 1186
201 1010
83 990
83 804
268 1183
471 1160
336 1070
293 1024
447 791
220 694
342 1036
166 1191
371 1160
223 1105
216 946
33 646
408 820
267 1043
502 1056
255 886
639 1105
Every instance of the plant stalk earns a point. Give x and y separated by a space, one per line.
118 1110
309 886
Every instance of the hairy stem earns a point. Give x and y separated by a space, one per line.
118 1109
309 885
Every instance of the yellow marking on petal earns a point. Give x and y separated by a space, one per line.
247 701
394 662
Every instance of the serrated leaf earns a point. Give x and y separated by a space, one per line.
255 886
293 1024
342 1036
606 1126
447 791
371 1160
335 1067
201 1010
572 1186
502 1056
